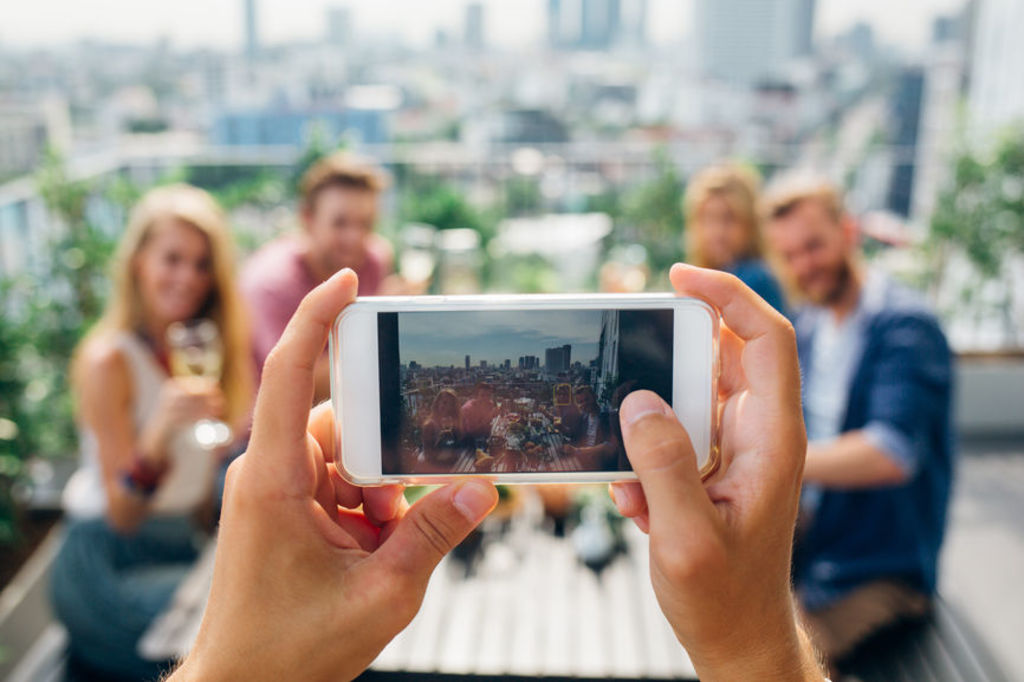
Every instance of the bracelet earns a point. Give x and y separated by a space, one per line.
143 477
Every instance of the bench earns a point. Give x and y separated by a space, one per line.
941 648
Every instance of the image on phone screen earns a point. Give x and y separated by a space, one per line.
502 391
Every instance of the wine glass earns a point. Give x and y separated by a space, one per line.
197 355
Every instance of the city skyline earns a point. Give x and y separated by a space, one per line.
220 25
445 339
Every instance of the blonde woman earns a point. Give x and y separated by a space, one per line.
130 537
723 227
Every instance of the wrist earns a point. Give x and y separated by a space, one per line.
786 654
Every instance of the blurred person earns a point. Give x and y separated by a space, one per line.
877 401
592 442
314 576
339 205
441 434
564 412
723 227
130 536
477 413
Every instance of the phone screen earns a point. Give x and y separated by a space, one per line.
509 391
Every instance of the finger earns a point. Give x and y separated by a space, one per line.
286 390
662 456
730 353
628 497
321 426
769 353
433 527
383 503
361 530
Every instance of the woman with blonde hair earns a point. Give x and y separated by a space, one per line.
723 227
143 474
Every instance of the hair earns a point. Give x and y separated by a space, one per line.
739 185
792 189
781 198
445 394
483 386
341 169
124 309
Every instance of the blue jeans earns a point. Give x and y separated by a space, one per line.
107 588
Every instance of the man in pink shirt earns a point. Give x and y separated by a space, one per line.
478 412
338 211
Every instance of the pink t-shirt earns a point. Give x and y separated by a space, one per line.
276 279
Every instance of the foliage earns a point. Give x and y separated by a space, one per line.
46 310
431 200
652 214
980 216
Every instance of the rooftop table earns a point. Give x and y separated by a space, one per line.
525 605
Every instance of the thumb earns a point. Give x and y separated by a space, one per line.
662 456
434 526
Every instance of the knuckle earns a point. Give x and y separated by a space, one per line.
693 561
437 534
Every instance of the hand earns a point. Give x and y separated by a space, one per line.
306 586
182 401
720 549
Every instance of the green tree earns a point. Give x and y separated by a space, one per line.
980 216
652 214
46 309
431 200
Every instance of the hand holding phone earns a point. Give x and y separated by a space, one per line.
514 388
720 548
314 576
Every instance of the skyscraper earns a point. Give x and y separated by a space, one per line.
600 22
634 22
996 92
744 41
339 26
555 32
557 359
474 36
252 37
467 362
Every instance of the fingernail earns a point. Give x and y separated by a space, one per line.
474 499
341 273
622 496
639 404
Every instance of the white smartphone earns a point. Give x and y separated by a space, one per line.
519 389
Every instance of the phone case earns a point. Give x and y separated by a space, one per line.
513 302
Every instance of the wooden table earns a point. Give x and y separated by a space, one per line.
529 607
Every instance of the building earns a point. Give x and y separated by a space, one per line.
339 26
555 31
467 362
600 22
634 22
745 41
285 125
905 121
252 37
474 35
996 90
558 359
529 362
608 351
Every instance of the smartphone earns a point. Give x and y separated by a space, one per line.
519 389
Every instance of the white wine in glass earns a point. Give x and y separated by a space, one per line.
197 352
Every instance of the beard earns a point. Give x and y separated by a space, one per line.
841 278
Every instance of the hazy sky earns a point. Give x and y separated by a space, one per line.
218 23
443 339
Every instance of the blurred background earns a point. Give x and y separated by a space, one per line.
532 146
